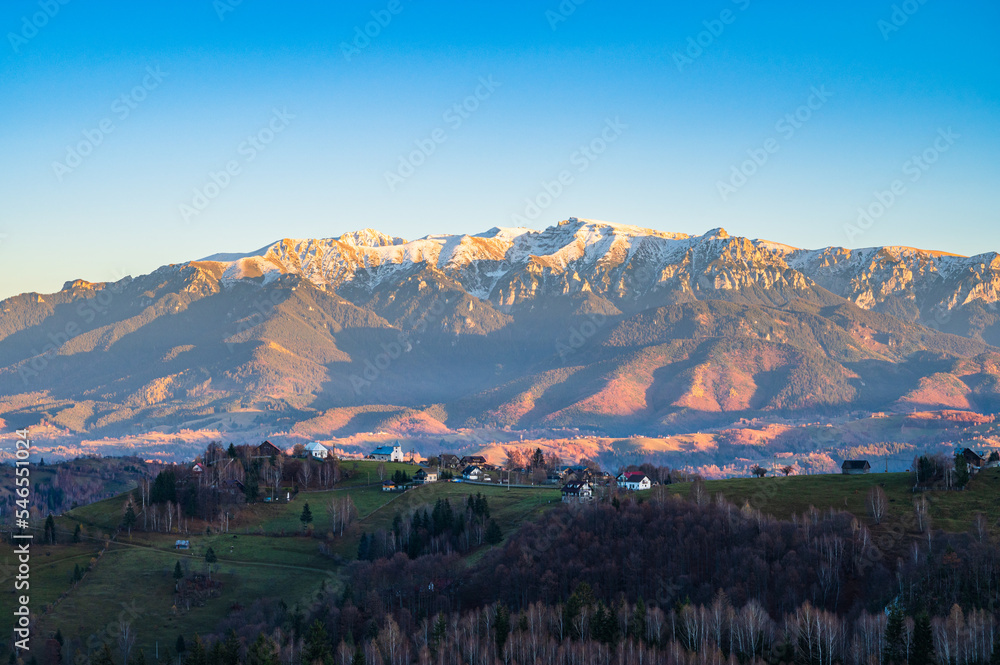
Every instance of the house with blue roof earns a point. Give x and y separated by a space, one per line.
387 453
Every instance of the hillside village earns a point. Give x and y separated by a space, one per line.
313 465
578 482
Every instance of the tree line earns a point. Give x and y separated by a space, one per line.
660 580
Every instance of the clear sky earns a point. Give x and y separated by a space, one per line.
116 115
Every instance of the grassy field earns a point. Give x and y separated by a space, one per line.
784 497
134 575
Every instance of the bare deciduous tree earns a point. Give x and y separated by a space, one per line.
980 527
126 639
921 508
698 492
877 503
305 474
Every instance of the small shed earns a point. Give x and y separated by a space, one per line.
854 467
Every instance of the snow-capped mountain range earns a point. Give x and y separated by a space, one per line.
583 324
621 262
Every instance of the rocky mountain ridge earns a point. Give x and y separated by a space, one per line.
608 327
627 263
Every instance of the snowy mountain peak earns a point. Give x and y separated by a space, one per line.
716 234
507 266
370 238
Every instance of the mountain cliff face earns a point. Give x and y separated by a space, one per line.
630 265
587 323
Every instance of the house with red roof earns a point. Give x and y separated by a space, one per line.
634 480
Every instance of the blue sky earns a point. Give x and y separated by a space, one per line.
309 132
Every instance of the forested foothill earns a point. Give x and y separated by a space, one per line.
660 578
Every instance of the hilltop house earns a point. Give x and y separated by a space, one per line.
577 491
425 476
387 453
449 461
974 459
472 473
854 467
634 480
317 450
267 449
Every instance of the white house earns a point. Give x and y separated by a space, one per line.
425 476
388 453
472 473
317 450
634 480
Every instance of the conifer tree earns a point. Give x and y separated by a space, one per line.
894 651
493 533
262 652
103 657
923 642
50 530
317 647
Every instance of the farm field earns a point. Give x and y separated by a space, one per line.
134 574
